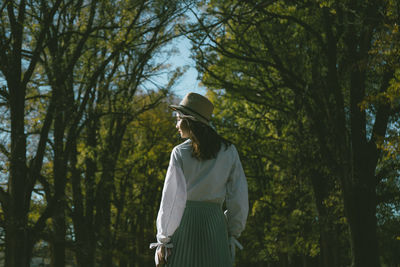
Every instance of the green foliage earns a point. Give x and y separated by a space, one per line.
139 180
289 81
317 84
80 75
283 219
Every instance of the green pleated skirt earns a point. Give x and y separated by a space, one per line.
201 239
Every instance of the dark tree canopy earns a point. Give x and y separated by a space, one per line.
308 91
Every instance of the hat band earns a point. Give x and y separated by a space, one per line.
195 112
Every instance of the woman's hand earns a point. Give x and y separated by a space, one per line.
161 256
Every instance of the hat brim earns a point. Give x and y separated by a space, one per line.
189 112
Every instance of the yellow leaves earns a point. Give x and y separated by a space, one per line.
343 220
260 204
326 3
395 28
329 4
323 4
33 216
281 8
283 21
391 145
256 207
392 9
386 48
314 249
393 91
85 152
297 213
390 96
291 9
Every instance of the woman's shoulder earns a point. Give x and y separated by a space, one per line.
230 147
185 146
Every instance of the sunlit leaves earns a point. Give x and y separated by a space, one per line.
302 65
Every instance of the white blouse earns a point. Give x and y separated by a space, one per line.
215 180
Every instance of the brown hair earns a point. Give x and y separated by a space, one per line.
206 142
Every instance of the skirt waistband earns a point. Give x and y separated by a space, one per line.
192 203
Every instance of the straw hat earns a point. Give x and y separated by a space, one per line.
198 107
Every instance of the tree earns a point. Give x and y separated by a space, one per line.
316 57
139 178
19 57
288 225
58 57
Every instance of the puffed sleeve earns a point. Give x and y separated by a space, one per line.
237 202
173 200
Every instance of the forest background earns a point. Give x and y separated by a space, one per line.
308 91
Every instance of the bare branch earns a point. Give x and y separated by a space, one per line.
5 130
39 44
4 150
36 163
383 112
4 197
4 93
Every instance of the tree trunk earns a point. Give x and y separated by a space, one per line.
328 240
16 211
103 206
361 214
78 214
360 186
83 210
105 188
60 172
90 195
16 238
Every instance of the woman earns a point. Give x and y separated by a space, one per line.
203 172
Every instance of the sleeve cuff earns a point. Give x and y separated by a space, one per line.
162 239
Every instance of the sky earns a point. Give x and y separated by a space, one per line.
187 83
